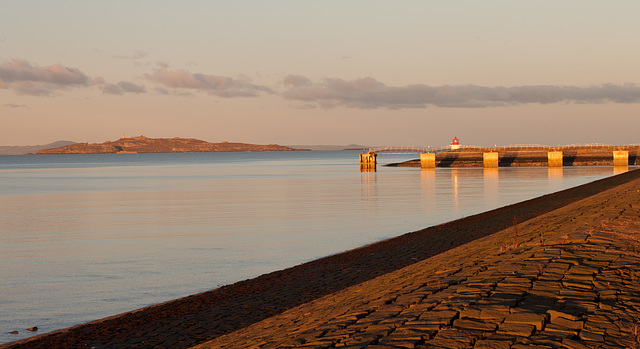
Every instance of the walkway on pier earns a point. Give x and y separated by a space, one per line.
556 156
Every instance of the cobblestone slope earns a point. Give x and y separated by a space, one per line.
569 278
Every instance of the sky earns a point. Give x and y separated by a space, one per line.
406 73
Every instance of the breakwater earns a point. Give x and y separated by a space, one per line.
531 156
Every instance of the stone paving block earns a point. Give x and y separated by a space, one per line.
531 346
380 329
317 344
558 328
572 344
586 335
493 311
617 342
515 281
550 277
548 293
572 324
443 317
419 326
404 337
475 324
554 314
444 343
577 306
582 269
534 319
471 311
421 306
537 304
553 339
398 344
493 344
578 294
569 261
516 329
461 337
359 340
499 298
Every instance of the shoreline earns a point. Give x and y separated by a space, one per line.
199 318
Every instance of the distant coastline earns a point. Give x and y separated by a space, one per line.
142 144
31 149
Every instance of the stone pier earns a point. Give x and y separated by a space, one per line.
428 160
367 161
555 158
490 159
620 158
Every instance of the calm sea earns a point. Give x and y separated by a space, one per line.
88 236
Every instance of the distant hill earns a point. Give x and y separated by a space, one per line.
143 144
30 149
330 147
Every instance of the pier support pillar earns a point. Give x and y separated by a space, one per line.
620 158
368 161
490 160
555 158
427 160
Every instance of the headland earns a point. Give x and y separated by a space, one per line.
561 270
144 144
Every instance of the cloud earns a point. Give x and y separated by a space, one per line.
118 89
135 55
220 86
123 87
370 93
24 78
11 105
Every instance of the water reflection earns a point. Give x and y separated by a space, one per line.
620 169
490 174
556 172
368 184
454 176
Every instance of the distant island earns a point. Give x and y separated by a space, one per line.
30 149
144 144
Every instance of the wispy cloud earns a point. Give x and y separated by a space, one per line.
135 55
370 93
120 88
11 105
220 86
24 78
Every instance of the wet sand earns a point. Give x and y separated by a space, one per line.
446 271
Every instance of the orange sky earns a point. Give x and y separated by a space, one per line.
291 72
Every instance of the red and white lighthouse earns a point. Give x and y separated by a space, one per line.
455 144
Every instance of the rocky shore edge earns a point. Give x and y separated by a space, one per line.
443 276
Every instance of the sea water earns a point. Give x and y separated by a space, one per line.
89 236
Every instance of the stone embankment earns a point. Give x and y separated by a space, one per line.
564 272
569 278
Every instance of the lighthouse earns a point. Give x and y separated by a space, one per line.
455 144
